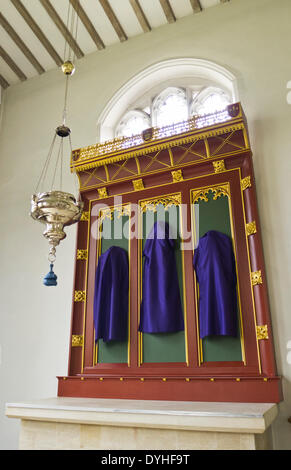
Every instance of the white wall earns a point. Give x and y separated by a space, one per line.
253 39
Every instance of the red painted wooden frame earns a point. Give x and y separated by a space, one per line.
252 381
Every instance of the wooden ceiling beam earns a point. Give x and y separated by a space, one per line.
10 62
142 19
87 23
196 6
37 31
62 28
113 20
18 41
3 83
166 6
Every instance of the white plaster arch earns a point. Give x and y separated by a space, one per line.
162 72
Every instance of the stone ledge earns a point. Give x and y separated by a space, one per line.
252 418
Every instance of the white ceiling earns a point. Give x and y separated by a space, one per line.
94 10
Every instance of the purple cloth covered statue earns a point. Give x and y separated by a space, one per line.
111 295
214 264
161 309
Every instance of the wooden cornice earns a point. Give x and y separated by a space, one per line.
130 147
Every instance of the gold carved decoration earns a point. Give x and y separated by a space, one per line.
85 217
77 340
138 184
166 201
262 332
91 157
251 228
219 166
157 139
148 134
246 183
218 191
82 254
107 213
177 176
256 278
68 68
80 296
102 193
123 210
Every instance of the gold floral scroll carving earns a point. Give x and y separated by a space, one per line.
218 191
256 278
166 201
219 166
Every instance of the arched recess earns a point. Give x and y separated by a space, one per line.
198 70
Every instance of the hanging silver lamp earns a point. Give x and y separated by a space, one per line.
56 209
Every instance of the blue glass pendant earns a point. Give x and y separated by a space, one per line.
50 279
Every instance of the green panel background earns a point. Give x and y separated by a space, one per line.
165 347
214 215
113 351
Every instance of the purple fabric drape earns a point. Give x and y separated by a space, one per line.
214 264
161 309
111 295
